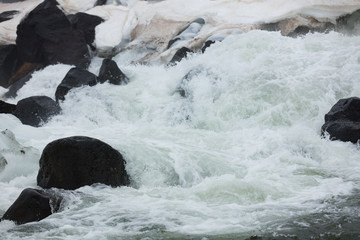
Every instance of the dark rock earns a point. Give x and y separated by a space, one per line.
46 36
73 162
342 122
32 205
36 110
9 63
207 44
179 55
100 2
7 107
85 23
110 71
4 16
76 77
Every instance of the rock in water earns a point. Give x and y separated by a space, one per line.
4 16
32 205
342 122
36 110
110 71
179 55
9 63
46 36
73 162
76 77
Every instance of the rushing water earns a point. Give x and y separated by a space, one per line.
241 155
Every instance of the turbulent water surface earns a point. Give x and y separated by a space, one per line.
240 155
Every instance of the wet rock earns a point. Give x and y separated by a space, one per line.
46 36
110 71
100 2
7 107
7 15
76 77
183 89
36 110
85 23
179 55
73 162
9 63
207 44
342 122
32 205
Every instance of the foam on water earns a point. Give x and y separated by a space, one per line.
241 154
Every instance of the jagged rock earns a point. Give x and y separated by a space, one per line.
9 63
342 122
7 15
46 36
179 55
76 77
32 205
110 71
36 110
85 23
73 162
7 107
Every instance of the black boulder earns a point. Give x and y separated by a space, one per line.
76 77
36 110
109 71
46 36
342 122
73 162
7 107
32 205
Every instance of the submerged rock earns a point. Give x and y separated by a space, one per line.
76 77
342 122
32 205
36 110
73 162
179 55
110 71
46 36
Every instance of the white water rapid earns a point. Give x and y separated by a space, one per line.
240 156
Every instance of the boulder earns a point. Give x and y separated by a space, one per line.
32 205
9 63
179 55
46 36
73 162
342 122
7 107
110 71
86 24
188 32
76 77
36 110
